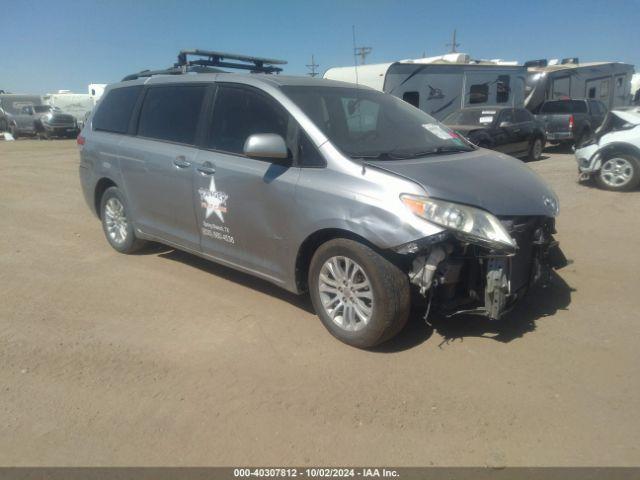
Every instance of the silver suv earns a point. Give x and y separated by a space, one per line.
351 194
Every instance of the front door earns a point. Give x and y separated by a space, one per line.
506 137
242 203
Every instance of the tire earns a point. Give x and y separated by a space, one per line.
116 222
535 149
584 135
14 132
619 173
388 290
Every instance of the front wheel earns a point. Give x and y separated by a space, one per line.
116 222
360 297
14 132
619 173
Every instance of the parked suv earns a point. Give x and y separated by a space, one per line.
321 186
505 129
571 121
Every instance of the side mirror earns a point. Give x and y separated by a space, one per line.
266 145
505 124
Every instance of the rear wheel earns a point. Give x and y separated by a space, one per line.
116 222
360 297
619 172
535 149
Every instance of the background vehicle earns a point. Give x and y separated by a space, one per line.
607 82
14 118
570 121
51 121
444 84
508 130
612 157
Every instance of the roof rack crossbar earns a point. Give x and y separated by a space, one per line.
220 59
209 63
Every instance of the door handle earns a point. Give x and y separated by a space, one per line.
181 162
207 168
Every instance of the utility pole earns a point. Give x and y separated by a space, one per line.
362 52
454 45
312 67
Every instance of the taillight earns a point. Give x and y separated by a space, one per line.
80 140
570 122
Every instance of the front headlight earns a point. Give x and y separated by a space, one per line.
470 223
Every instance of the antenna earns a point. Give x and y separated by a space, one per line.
454 45
312 66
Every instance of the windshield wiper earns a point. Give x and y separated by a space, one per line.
433 151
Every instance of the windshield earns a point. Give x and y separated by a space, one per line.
42 108
473 116
564 106
365 123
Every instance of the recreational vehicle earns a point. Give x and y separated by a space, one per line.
442 85
607 82
76 104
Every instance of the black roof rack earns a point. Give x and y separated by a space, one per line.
208 62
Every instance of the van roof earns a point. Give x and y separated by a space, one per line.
253 78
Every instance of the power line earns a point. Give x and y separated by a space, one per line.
312 67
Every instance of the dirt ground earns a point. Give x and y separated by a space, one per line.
165 359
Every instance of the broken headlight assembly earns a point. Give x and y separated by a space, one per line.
467 223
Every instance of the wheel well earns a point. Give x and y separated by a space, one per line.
621 148
311 244
101 186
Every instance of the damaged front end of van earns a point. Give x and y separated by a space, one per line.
489 255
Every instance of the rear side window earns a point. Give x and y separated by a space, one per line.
114 113
479 93
171 113
523 115
241 112
564 106
412 98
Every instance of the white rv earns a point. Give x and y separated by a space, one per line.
444 84
76 104
607 82
635 88
95 91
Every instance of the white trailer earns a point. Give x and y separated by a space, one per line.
608 82
444 84
76 104
95 91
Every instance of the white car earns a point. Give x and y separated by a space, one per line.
612 156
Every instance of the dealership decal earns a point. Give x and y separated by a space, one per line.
219 232
213 201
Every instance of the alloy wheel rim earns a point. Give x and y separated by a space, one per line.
115 220
616 172
346 293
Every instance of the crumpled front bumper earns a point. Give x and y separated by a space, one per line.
588 159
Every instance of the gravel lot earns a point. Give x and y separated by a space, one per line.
165 359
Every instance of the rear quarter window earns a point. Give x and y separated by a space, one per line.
115 110
564 106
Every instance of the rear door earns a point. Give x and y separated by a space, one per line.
525 123
158 163
506 137
243 205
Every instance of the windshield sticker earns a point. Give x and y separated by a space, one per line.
485 119
437 130
488 112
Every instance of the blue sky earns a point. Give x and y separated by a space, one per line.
68 44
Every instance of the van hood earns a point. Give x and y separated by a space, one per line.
483 178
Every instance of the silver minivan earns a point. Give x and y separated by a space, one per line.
318 186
